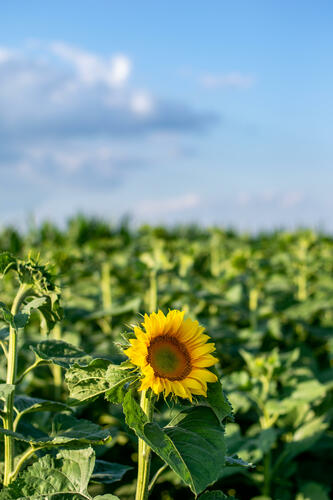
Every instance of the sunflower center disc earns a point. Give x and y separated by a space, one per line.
169 358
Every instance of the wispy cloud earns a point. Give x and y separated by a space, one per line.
153 209
233 80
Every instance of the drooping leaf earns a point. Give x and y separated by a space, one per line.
60 353
192 444
109 472
26 404
66 431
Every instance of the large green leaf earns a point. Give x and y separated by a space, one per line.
66 431
60 353
63 477
85 383
192 444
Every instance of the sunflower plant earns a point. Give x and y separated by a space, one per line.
170 359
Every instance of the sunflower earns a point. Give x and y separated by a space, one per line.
173 355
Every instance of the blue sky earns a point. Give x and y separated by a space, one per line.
215 112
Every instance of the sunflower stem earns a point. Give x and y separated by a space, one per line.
144 451
22 293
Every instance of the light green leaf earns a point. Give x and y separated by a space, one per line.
192 444
6 390
60 353
109 472
118 378
86 383
63 477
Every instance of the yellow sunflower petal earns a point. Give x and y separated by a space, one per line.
172 353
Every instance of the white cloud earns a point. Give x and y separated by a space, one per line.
91 69
234 80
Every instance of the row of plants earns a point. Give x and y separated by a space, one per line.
266 302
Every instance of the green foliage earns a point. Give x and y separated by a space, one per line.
266 300
59 352
85 383
64 477
66 431
192 444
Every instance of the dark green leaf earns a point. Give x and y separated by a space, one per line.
108 472
26 404
66 430
60 353
192 444
4 332
216 399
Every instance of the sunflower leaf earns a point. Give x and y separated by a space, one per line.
65 476
192 444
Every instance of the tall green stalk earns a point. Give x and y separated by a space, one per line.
144 451
153 291
23 291
106 295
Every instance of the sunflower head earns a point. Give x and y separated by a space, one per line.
173 355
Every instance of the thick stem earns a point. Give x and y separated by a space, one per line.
56 369
28 453
144 452
23 291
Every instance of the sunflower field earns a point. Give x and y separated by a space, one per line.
225 337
